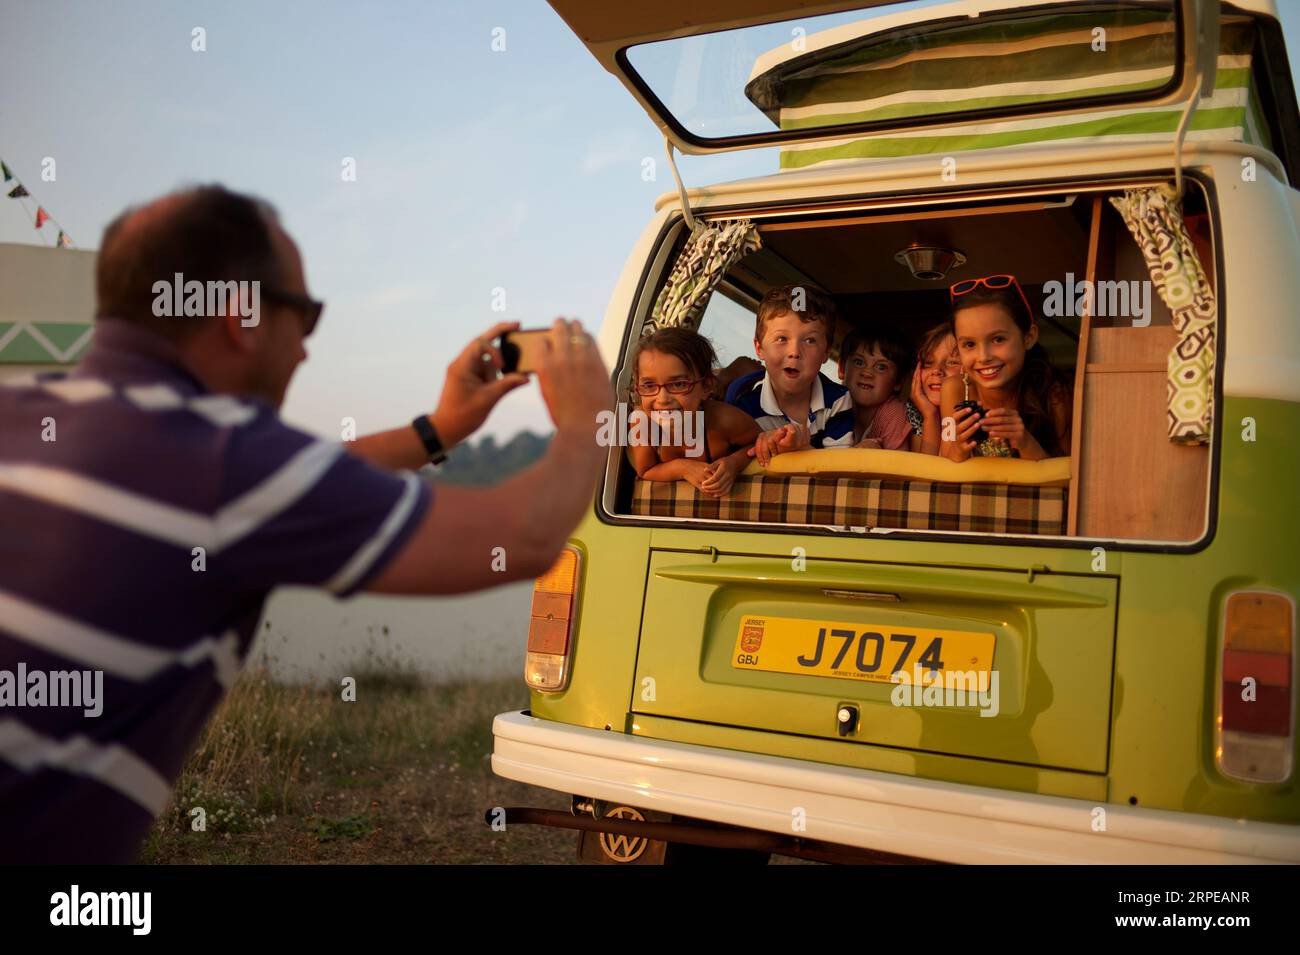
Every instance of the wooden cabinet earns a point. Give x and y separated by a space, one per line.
1129 481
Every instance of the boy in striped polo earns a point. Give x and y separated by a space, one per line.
793 402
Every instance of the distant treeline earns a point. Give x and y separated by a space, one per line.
486 462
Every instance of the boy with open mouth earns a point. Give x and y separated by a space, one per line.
793 402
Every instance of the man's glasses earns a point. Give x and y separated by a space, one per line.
308 309
678 386
958 289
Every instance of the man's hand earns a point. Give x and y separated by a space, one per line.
472 388
530 514
574 380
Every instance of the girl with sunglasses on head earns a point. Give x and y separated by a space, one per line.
1008 401
673 377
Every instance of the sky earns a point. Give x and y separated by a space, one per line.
476 169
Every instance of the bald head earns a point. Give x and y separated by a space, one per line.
205 233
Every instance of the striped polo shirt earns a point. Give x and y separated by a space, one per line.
753 394
143 522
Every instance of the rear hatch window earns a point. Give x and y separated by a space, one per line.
851 71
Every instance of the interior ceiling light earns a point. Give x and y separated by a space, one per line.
928 262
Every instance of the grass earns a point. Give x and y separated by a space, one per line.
287 773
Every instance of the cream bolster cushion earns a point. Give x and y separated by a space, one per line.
913 466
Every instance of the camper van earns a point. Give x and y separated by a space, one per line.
874 655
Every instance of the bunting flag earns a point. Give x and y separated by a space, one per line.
19 191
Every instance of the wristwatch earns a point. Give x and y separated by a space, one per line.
429 437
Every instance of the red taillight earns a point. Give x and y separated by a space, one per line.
1256 717
550 624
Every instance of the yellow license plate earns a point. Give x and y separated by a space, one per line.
854 651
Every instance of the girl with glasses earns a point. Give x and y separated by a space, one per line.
672 381
1009 400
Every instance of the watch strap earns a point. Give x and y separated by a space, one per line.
429 438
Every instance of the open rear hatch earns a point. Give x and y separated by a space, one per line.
716 75
805 647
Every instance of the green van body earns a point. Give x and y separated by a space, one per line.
1109 651
1157 745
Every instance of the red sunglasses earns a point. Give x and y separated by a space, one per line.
958 289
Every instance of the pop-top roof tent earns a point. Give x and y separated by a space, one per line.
47 299
854 74
850 80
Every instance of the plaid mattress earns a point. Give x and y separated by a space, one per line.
864 502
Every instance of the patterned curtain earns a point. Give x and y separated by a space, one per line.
710 251
1155 218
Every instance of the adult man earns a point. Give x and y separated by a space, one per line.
151 499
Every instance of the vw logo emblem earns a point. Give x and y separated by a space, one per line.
617 845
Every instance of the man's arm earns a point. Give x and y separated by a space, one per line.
399 449
530 515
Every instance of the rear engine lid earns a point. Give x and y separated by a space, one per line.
757 642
